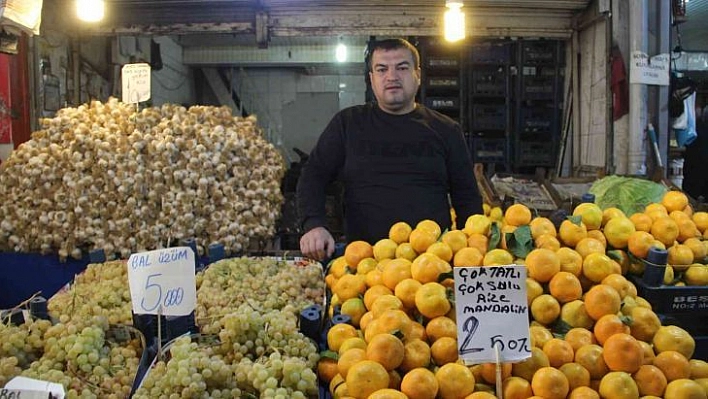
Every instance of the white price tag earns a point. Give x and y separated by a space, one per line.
649 70
30 388
163 281
135 82
491 310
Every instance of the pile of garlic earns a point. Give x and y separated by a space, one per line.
103 176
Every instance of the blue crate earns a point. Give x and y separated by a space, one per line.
490 53
535 153
490 81
489 117
489 150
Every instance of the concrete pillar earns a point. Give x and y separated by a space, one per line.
638 15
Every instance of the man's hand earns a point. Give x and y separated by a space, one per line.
317 244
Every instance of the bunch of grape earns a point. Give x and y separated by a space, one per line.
20 346
78 356
264 283
191 371
277 377
102 289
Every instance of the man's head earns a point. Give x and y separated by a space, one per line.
394 69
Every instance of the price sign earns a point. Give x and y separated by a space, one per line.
162 281
649 70
135 82
29 388
491 310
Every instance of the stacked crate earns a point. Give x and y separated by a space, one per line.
442 78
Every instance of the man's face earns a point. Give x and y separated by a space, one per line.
394 80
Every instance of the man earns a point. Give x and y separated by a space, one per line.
398 160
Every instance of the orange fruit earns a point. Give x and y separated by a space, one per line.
350 343
650 380
698 248
385 302
388 393
598 235
498 257
680 257
455 381
533 290
399 232
545 309
589 245
355 309
391 321
642 221
590 357
455 239
674 201
420 383
416 353
565 287
405 291
488 372
431 226
622 352
570 260
444 350
558 351
427 267
547 241
684 389
327 369
386 349
645 323
578 336
482 395
687 229
571 233
665 230
539 335
405 250
591 213
441 326
575 314
639 243
673 364
505 230
385 248
699 368
477 224
597 266
517 215
338 333
541 225
468 256
696 274
365 378
701 220
576 374
600 300
550 383
617 232
396 271
374 278
619 283
583 393
421 239
608 325
368 264
479 241
515 388
356 251
348 359
611 213
528 367
365 320
350 286
431 300
441 250
542 264
618 385
373 293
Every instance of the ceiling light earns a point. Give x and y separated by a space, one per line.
90 10
454 21
341 52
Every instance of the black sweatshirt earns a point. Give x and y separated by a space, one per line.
394 168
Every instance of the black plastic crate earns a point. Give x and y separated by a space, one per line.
535 120
489 150
490 53
535 153
442 103
443 82
540 52
538 87
443 62
490 81
671 300
489 116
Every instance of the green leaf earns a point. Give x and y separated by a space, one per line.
444 276
576 219
494 236
520 242
329 354
560 327
450 296
626 320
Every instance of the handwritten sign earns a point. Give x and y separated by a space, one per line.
135 82
30 388
649 70
491 310
162 281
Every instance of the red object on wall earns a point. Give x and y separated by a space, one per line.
14 96
5 100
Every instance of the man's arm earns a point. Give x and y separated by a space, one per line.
464 193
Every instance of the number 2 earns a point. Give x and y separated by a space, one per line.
470 327
151 286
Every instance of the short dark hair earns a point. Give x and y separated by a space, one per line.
391 44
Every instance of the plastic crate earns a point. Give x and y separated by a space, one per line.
443 82
540 52
490 53
534 120
538 87
489 116
442 103
490 81
442 62
670 300
535 153
489 150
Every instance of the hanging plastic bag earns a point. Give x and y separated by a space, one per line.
686 136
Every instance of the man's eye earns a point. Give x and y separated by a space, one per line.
403 68
380 70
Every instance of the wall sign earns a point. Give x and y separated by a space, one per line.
163 282
649 70
491 310
135 83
